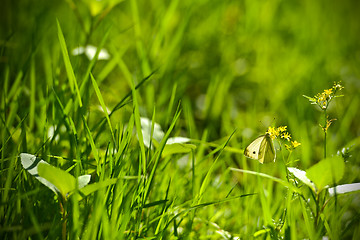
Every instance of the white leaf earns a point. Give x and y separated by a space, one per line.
83 180
346 188
301 175
78 51
177 140
90 52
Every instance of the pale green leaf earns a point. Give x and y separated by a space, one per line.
62 180
326 172
31 163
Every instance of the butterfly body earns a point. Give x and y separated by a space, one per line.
261 149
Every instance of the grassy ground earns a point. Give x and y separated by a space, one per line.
216 72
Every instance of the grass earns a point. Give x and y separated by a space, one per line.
217 73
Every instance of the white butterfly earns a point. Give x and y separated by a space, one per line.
262 149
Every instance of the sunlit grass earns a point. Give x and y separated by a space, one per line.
208 77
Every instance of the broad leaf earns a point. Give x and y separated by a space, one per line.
326 172
63 181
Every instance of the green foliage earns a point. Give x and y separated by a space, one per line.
326 172
62 180
151 121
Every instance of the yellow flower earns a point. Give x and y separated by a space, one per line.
323 99
295 144
276 132
286 135
327 92
292 146
282 128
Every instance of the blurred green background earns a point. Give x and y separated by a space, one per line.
241 65
233 64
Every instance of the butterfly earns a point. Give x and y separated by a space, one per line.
261 149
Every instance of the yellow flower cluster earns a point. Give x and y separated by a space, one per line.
282 133
278 132
323 99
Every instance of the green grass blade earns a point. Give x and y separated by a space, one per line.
206 180
138 35
282 182
103 105
69 120
95 58
128 77
69 70
92 144
157 155
32 94
15 87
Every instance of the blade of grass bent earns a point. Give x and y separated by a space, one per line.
284 183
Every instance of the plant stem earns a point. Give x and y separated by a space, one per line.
63 216
325 131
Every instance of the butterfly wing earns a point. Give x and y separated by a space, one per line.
267 151
253 150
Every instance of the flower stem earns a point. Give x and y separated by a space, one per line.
325 131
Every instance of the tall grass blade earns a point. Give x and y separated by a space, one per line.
69 70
